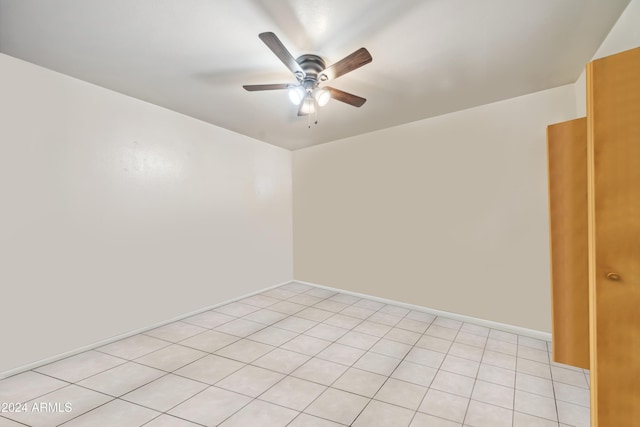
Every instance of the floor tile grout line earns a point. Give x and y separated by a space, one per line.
247 336
439 368
162 413
167 373
229 358
82 379
87 412
335 342
113 355
385 381
293 315
515 387
17 422
249 364
164 370
352 365
345 391
475 381
77 385
252 398
431 382
49 392
553 389
209 386
315 416
283 344
121 397
404 359
542 418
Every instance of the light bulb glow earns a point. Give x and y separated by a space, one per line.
322 96
296 94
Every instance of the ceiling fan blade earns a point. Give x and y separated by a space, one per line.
356 60
253 88
345 97
273 42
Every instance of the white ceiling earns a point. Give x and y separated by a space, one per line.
430 57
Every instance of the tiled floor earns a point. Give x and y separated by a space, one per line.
302 356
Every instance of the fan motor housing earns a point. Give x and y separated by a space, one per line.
312 65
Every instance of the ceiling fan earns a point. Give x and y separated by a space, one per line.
310 71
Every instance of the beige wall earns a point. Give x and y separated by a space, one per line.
624 35
448 213
116 214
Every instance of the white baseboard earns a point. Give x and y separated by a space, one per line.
110 340
531 333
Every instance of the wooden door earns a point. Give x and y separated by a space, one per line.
567 166
613 131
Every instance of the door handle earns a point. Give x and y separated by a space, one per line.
614 277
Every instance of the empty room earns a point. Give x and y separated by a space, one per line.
369 213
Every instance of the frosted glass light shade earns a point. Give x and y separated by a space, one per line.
308 105
322 96
296 94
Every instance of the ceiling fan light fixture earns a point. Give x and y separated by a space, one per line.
296 94
310 71
322 96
